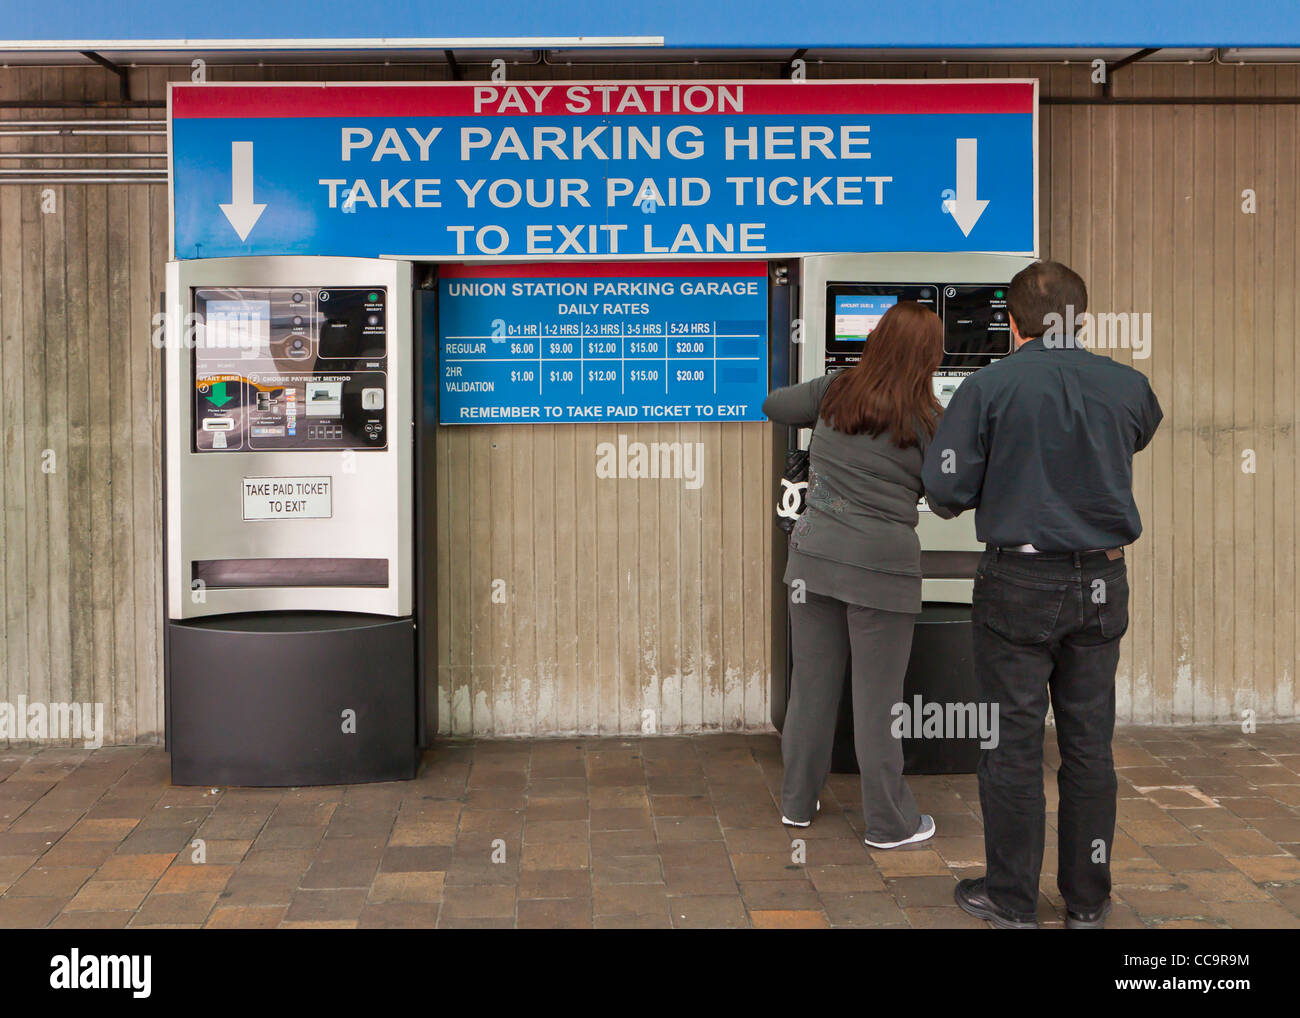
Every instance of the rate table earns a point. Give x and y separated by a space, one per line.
603 342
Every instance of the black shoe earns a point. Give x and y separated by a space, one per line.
974 899
1087 919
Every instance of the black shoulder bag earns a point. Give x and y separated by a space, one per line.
793 499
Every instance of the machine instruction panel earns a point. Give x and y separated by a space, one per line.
290 368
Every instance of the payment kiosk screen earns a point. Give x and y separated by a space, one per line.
856 317
298 368
976 329
854 309
237 325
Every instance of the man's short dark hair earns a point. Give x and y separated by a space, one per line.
1046 289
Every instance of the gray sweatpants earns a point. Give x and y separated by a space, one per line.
824 633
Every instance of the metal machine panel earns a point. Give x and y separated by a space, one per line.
289 400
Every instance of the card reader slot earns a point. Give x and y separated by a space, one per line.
224 573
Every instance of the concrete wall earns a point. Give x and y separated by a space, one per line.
667 608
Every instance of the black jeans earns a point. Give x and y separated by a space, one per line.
1049 624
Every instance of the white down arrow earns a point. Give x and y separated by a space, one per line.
242 211
966 209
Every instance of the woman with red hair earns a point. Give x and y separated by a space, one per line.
854 569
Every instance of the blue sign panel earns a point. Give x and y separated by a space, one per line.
627 170
627 342
833 24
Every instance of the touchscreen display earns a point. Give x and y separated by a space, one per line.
855 317
239 326
854 309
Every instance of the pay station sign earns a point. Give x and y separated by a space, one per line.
622 169
286 498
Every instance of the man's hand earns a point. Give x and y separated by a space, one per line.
940 511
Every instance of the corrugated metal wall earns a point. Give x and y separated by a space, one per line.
624 596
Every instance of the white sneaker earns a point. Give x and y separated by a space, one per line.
923 833
799 823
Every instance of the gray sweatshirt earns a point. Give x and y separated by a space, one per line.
862 495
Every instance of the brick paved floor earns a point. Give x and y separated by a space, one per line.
609 832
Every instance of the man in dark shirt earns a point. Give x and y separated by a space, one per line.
1041 445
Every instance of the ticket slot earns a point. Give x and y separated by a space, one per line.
226 573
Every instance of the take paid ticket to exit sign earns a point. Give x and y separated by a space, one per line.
550 170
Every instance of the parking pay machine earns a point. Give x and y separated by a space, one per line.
290 567
842 298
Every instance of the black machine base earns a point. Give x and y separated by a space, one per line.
941 670
292 698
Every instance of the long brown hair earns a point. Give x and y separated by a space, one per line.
889 389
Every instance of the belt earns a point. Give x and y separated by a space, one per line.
1029 549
